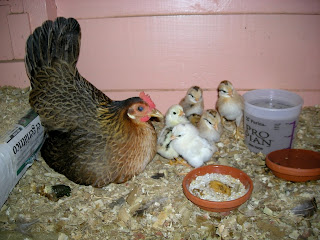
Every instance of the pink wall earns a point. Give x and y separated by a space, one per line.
17 19
164 47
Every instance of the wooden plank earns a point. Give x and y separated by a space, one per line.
19 31
175 52
13 73
6 52
39 11
16 6
115 8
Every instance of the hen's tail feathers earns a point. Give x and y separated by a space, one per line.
58 40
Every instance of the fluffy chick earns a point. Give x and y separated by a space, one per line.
193 104
193 148
174 116
210 126
230 104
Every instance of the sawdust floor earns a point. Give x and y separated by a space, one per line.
152 205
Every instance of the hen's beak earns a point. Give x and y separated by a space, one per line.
156 113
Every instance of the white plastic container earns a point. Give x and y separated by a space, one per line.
270 119
18 149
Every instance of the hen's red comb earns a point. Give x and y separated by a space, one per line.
147 99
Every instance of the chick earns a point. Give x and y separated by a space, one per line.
174 116
193 104
194 118
230 104
210 126
193 148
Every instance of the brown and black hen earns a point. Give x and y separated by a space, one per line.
92 140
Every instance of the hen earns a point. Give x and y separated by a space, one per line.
230 104
92 139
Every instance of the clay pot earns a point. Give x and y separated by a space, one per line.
212 206
296 165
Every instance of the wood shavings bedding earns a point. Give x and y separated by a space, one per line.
156 208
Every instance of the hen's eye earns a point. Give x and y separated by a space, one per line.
140 108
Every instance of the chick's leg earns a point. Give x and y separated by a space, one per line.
237 133
223 121
179 160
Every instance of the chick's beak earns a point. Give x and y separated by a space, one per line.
156 113
181 113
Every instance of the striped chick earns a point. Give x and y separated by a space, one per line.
193 104
210 126
174 116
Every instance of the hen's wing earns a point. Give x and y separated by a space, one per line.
67 104
60 95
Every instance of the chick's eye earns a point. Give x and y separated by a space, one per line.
191 95
140 108
174 113
208 121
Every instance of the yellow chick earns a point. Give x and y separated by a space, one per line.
230 104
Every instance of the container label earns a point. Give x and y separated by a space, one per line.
24 140
264 135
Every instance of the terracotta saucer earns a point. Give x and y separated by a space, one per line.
212 206
296 165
